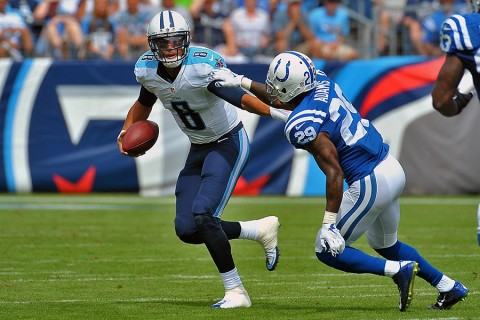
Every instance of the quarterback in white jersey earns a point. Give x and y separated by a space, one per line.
460 40
179 76
201 115
347 147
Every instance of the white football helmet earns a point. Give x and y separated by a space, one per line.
475 5
290 74
169 37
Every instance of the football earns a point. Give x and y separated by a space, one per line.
140 137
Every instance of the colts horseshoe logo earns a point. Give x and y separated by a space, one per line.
287 71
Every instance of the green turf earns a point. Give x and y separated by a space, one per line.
117 257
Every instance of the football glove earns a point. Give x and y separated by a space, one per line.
462 99
225 78
330 240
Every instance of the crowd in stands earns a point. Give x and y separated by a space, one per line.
241 30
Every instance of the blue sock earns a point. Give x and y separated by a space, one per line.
354 261
402 251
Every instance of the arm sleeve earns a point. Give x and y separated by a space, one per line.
146 98
231 95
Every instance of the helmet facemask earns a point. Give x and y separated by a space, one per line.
169 38
170 49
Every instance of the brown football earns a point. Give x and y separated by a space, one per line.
140 137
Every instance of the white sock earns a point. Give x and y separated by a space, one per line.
445 284
391 268
231 279
249 230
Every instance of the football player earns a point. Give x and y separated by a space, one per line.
176 73
347 147
460 40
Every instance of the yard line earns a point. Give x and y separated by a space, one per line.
172 299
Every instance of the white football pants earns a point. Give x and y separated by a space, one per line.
371 206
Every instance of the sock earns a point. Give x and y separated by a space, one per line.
354 261
249 230
445 284
391 268
231 279
401 251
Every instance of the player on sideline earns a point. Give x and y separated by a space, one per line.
345 146
461 42
177 74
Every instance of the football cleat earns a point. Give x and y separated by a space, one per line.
268 238
234 298
448 299
404 279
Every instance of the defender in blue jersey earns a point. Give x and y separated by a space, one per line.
178 75
460 40
460 37
347 147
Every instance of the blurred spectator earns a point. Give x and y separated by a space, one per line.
15 37
62 35
131 27
433 24
291 30
247 32
408 14
26 8
208 20
390 15
99 29
114 6
331 25
262 4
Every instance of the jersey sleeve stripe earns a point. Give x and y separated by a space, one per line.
456 36
460 32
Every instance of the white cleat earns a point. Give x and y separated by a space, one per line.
268 238
234 298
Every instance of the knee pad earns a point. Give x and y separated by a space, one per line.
185 227
206 222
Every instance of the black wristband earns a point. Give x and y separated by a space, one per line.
462 100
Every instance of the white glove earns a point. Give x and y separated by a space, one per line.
329 239
280 114
229 79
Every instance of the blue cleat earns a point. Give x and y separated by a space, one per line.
404 279
448 299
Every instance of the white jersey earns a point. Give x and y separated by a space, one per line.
200 114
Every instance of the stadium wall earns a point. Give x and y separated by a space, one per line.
60 120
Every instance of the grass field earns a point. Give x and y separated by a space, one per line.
117 257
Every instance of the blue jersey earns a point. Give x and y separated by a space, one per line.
460 35
359 145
